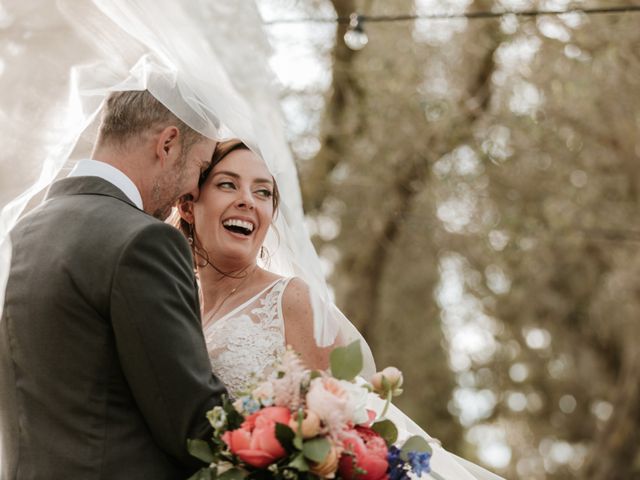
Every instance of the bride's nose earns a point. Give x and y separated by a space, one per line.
245 200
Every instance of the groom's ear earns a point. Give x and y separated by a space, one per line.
168 146
185 208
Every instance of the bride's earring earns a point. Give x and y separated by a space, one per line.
190 236
201 260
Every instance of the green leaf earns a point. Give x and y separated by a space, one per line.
234 418
233 474
414 444
346 362
201 450
203 474
387 430
285 436
299 463
316 449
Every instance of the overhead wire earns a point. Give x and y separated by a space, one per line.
461 15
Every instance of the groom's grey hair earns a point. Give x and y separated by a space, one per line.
129 114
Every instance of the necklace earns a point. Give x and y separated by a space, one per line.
212 313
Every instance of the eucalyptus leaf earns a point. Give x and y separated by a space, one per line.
316 449
299 463
414 444
203 474
346 362
387 430
201 450
233 474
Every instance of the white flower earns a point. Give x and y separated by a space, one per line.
357 401
217 418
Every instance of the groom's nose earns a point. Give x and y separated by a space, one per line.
194 192
191 188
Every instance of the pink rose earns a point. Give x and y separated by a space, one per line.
365 449
255 442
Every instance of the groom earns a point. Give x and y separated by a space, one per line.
104 372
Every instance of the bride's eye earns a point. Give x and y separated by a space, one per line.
264 193
226 185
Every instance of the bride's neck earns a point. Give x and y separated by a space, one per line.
216 286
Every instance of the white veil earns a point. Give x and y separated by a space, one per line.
206 60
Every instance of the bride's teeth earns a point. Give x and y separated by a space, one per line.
234 222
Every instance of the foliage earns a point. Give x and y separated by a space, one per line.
475 191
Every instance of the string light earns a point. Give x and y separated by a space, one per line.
355 37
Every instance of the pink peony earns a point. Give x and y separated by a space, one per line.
394 380
255 442
331 402
366 450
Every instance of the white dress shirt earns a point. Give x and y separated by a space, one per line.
95 168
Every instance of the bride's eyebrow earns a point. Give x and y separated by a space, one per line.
224 172
235 175
263 180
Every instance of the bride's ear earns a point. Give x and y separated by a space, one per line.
185 208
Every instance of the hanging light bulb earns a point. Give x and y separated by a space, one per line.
355 38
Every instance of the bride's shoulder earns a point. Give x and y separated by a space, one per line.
299 325
296 301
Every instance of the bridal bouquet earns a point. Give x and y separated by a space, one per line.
302 424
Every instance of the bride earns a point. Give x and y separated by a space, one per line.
249 313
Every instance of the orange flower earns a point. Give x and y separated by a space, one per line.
255 442
310 424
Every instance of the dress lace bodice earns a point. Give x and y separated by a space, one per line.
245 342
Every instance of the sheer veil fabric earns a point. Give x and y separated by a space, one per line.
207 61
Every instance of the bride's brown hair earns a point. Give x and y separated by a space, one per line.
221 151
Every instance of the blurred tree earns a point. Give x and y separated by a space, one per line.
476 191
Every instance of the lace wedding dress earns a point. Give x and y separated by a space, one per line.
244 343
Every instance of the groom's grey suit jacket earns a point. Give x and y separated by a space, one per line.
103 366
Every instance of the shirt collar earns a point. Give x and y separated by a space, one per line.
95 168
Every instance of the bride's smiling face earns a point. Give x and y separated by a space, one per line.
235 208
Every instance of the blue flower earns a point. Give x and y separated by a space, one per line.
394 454
419 462
398 469
250 405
